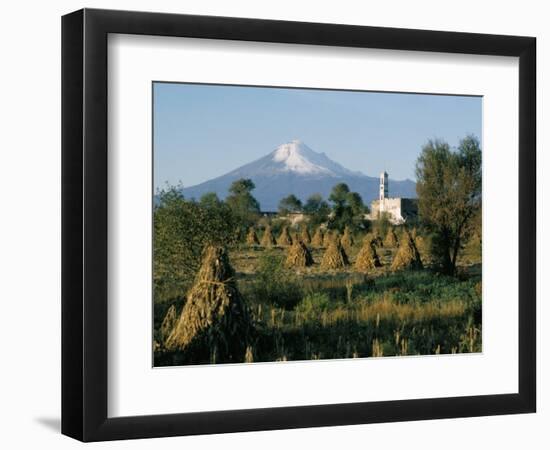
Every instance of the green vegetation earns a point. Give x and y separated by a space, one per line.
181 230
290 204
315 315
242 203
449 196
348 209
317 210
225 290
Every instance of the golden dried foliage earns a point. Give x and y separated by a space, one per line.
304 235
327 238
252 237
407 256
298 256
367 258
284 238
421 245
268 240
317 240
335 256
214 324
347 240
391 239
168 323
374 238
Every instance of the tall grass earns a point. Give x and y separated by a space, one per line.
343 315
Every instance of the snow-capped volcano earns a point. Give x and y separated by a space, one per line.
297 157
294 168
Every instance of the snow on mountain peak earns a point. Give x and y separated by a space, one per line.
298 157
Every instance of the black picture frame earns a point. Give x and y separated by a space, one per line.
84 224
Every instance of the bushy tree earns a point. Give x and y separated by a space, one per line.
290 204
348 208
244 206
339 194
210 200
449 196
181 230
317 209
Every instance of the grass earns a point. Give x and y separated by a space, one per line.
436 317
314 314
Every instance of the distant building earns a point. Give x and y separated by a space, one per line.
399 210
294 218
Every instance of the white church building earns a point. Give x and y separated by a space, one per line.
399 210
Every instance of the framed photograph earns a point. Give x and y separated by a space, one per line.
273 224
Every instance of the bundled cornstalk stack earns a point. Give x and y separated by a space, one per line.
304 235
284 238
317 240
298 256
168 323
407 256
327 238
376 239
347 240
335 256
370 237
367 258
251 237
268 240
214 325
421 246
420 243
331 236
391 239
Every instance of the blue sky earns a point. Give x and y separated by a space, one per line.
203 131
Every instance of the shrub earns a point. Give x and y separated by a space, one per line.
181 230
274 284
313 304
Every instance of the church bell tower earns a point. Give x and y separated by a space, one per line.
383 186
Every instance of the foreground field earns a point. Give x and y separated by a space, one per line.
315 314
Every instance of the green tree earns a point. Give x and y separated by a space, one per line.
348 208
313 203
339 194
244 206
449 196
356 203
290 204
317 209
181 229
210 200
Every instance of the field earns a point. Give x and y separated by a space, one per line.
312 313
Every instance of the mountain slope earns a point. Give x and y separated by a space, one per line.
294 168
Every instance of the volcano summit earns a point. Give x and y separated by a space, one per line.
294 168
